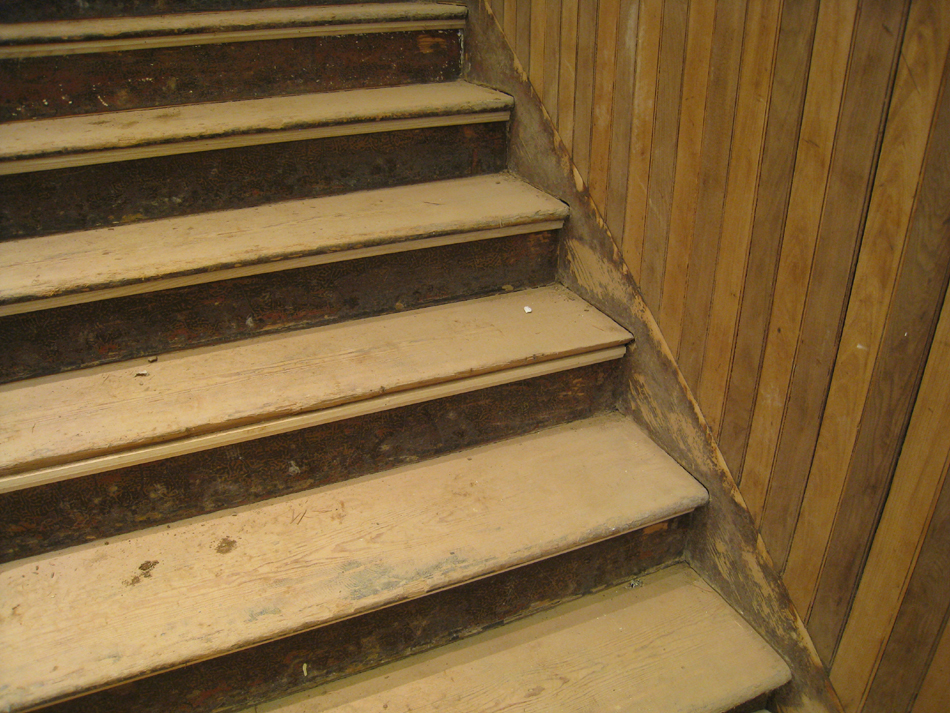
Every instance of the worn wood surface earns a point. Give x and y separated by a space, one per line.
88 197
44 87
262 673
304 561
156 323
116 262
623 648
113 408
72 512
656 393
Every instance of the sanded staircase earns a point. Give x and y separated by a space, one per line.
294 414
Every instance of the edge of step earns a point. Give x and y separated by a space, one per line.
628 648
73 268
111 34
107 612
78 423
87 139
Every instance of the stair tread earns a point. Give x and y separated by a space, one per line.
139 128
76 264
201 22
105 612
106 409
671 644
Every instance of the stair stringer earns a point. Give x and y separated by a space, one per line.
724 545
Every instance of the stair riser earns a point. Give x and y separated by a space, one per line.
42 87
58 340
67 199
63 514
271 670
33 11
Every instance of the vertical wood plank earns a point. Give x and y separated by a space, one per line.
511 27
752 104
699 36
522 37
567 72
717 140
650 23
606 62
622 119
663 161
934 695
538 32
860 127
584 87
796 37
498 9
552 58
912 107
816 141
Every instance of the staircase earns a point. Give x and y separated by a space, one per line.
295 415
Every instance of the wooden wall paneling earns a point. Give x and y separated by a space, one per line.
923 615
860 126
650 22
789 79
934 694
663 161
815 145
924 458
608 19
752 105
521 40
717 140
498 10
511 25
552 58
538 42
699 36
587 11
615 210
566 72
826 583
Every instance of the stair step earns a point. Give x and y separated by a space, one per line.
72 268
247 389
671 644
49 37
101 614
90 66
73 141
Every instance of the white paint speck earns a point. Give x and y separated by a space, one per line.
527 310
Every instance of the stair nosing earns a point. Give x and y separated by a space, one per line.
51 271
19 37
658 490
39 145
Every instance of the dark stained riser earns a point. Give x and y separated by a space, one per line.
40 10
67 199
66 338
71 512
40 87
266 672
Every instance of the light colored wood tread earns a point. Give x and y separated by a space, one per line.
88 413
70 268
90 617
68 141
671 645
226 21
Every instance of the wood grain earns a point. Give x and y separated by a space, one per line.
382 540
934 694
608 19
608 651
567 72
585 76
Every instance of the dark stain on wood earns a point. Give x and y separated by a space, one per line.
63 514
85 197
39 87
57 340
266 672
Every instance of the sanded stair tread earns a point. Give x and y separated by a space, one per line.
102 613
671 645
80 263
106 409
230 20
248 118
